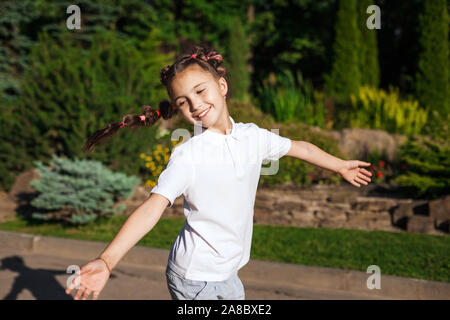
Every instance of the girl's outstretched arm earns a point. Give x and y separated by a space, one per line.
95 274
349 169
138 224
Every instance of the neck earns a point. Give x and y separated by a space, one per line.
223 125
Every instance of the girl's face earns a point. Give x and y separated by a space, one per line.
195 91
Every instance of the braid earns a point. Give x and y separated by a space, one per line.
212 57
148 118
207 58
164 74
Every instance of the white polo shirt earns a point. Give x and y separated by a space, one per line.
218 176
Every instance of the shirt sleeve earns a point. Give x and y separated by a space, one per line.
175 178
272 146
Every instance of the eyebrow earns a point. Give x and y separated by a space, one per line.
192 88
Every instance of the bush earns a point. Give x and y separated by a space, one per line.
70 91
428 168
377 109
156 162
79 191
287 98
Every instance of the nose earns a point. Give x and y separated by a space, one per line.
196 104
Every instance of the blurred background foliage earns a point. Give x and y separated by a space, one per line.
292 64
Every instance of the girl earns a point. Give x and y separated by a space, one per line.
217 171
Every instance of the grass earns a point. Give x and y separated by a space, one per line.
400 254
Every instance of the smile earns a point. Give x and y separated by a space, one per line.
203 114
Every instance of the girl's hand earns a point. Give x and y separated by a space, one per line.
93 277
351 172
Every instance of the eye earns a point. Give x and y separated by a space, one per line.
181 104
200 91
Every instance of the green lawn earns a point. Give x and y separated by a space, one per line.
400 254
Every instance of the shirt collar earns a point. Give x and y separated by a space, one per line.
216 135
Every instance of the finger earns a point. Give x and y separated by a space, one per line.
95 295
79 293
355 184
360 181
364 164
365 178
365 172
86 294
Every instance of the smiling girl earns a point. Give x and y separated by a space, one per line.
217 171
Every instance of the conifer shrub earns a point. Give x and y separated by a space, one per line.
79 191
426 165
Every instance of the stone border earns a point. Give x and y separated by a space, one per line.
263 273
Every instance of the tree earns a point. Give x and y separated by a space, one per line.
238 51
345 75
368 53
69 92
15 45
432 78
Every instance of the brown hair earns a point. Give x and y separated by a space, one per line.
207 58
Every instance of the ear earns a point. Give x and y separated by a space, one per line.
223 86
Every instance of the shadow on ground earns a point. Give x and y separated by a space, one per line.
42 283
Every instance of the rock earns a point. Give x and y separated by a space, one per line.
357 143
420 224
440 212
21 187
304 218
372 204
290 205
7 208
369 220
407 210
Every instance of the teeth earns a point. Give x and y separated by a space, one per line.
203 113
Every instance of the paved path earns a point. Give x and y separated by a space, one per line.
35 268
36 276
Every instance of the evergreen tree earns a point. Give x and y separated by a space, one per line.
368 53
70 92
345 76
432 78
15 45
238 51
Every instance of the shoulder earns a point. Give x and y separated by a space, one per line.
246 128
254 130
183 151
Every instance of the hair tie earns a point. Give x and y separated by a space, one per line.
142 118
157 111
194 56
122 124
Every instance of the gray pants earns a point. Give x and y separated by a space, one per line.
186 289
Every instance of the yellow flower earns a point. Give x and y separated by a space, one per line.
142 155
